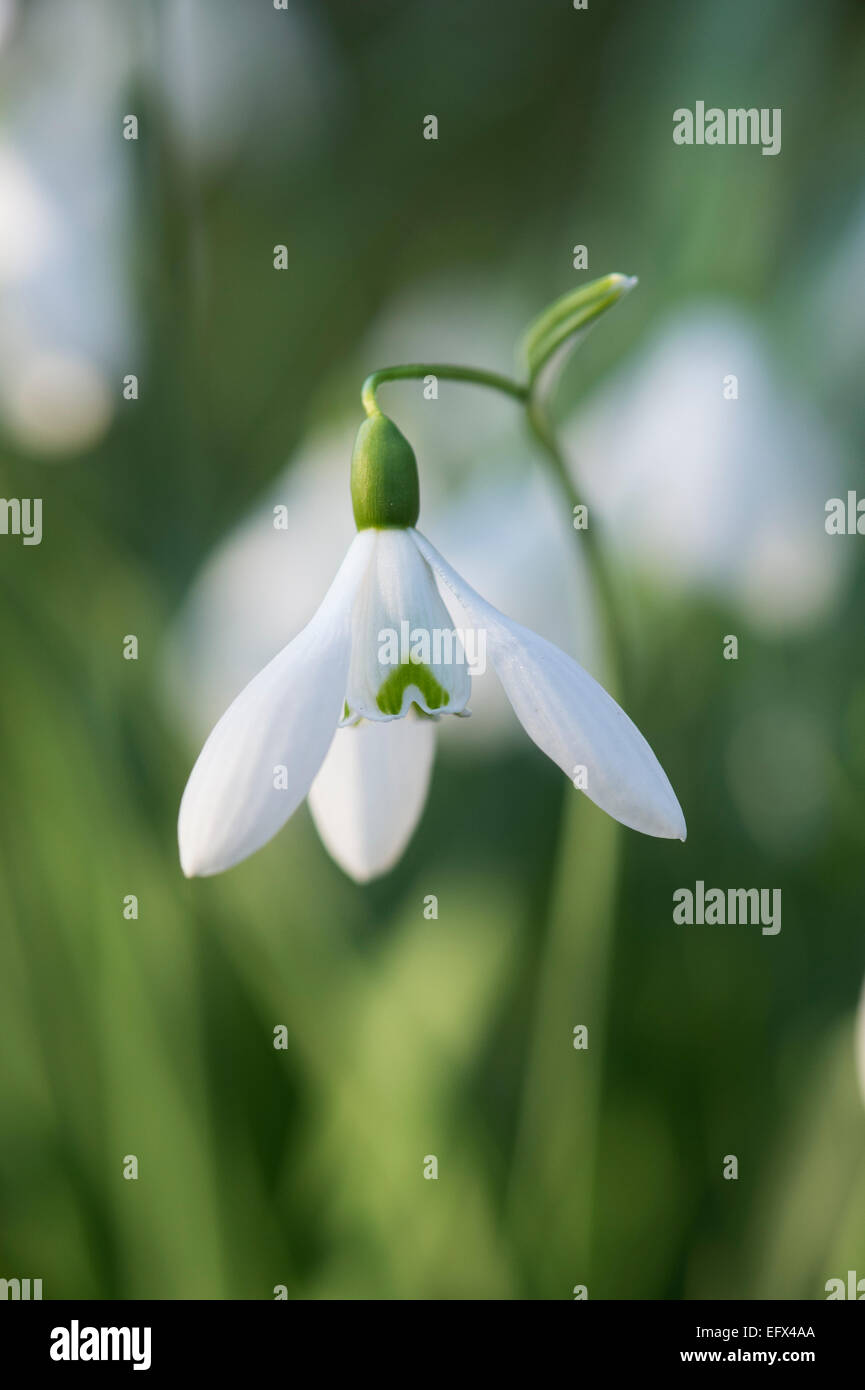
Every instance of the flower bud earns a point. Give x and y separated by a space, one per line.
384 481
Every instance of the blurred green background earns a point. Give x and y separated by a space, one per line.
409 1037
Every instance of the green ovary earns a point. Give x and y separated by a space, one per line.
389 698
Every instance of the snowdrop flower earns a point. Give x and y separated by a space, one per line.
346 713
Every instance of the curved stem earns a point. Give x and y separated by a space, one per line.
414 371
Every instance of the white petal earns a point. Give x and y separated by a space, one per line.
371 791
399 616
571 717
236 798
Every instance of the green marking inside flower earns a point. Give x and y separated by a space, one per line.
389 698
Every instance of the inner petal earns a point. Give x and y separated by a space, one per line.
405 649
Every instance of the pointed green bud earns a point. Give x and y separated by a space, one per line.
565 321
384 483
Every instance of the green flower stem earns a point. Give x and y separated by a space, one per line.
414 371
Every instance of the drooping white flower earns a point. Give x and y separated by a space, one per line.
346 714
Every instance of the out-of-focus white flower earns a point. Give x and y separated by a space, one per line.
700 489
65 317
55 403
28 224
